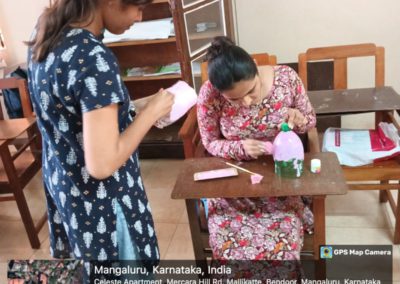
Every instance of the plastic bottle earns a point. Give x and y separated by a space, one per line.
288 153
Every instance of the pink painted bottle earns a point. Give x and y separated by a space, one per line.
288 153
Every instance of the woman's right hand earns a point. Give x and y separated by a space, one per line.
254 148
161 104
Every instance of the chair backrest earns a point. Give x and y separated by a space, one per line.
189 131
340 55
22 86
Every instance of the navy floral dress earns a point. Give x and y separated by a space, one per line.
80 75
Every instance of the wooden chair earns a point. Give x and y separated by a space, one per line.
20 151
193 147
382 171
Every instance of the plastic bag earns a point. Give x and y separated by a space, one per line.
358 147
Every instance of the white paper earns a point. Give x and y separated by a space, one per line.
157 29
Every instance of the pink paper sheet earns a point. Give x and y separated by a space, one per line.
185 98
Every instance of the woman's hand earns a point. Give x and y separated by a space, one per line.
295 118
254 148
102 159
160 104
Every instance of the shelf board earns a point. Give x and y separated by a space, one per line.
204 35
151 78
141 42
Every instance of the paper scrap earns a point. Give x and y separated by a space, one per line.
256 178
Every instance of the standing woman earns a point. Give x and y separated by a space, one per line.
97 206
239 108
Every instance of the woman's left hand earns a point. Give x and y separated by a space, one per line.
295 118
254 148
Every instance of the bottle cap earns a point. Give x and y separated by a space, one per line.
316 166
285 127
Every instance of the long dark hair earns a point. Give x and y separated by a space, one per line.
228 64
60 15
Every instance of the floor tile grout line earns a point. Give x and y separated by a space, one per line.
170 240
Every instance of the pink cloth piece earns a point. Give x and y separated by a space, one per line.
256 178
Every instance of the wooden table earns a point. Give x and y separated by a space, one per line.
12 128
329 181
350 101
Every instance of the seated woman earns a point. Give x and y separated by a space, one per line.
239 108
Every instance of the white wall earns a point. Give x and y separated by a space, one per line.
288 27
17 20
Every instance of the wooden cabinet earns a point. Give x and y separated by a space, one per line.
195 24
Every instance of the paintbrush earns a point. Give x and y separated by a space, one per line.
240 168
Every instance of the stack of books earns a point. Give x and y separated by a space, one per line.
173 68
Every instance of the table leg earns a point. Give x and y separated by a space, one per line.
319 223
194 223
396 240
319 235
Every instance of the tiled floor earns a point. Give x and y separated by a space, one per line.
356 218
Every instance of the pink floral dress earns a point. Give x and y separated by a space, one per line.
254 228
